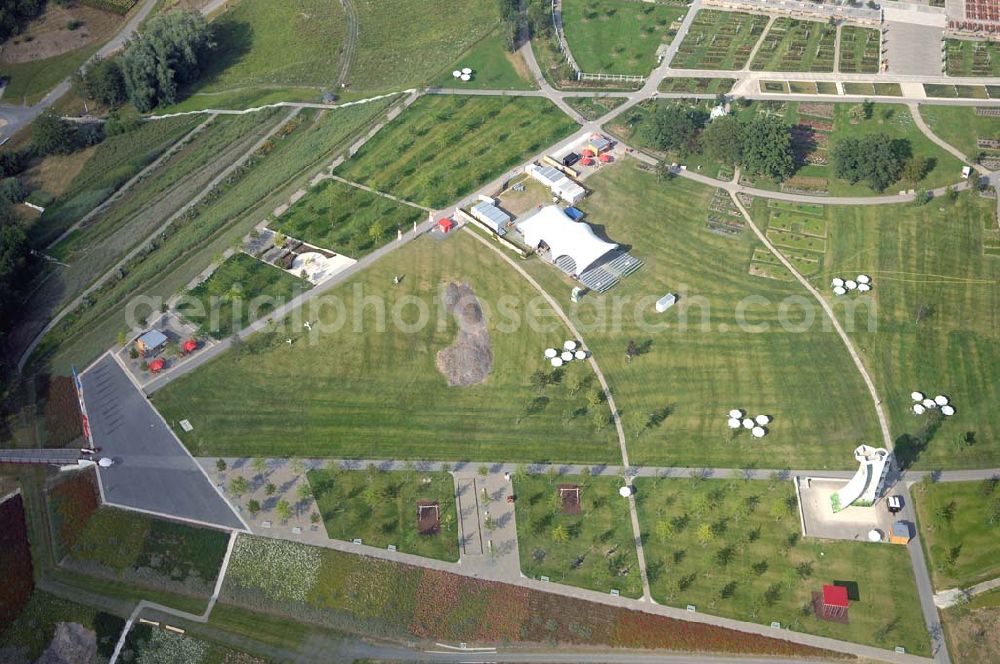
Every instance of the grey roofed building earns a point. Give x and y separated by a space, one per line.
492 216
151 340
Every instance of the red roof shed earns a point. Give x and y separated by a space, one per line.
157 365
835 596
189 346
445 225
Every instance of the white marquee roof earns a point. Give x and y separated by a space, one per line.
564 236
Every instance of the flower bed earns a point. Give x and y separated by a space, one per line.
71 504
62 413
356 593
15 561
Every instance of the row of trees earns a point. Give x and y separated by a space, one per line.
169 54
761 145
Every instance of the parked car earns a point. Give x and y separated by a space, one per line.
894 503
570 159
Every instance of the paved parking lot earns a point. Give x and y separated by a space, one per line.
152 470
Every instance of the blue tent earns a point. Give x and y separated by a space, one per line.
573 213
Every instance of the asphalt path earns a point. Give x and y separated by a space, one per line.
153 472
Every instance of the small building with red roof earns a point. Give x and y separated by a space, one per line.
445 225
834 601
189 346
157 365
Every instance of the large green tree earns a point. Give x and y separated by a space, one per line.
50 134
767 148
674 128
722 140
167 55
103 82
875 159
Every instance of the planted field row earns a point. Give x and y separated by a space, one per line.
796 45
719 40
947 91
972 58
697 85
443 147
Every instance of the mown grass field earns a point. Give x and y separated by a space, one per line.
276 43
965 515
724 345
796 45
340 217
594 107
29 81
960 127
443 147
734 549
593 548
257 287
243 200
367 390
380 508
618 36
409 42
493 67
929 257
719 40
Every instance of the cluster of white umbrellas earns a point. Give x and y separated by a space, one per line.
861 283
738 419
464 74
923 403
570 351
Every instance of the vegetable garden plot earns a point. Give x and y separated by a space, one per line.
719 40
794 45
971 58
859 50
723 217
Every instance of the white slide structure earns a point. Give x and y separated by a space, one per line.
865 484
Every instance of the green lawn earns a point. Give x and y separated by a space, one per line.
241 98
591 547
618 36
445 146
723 346
493 67
276 43
135 548
931 258
257 287
972 58
381 508
410 42
734 549
960 126
796 45
859 49
959 524
340 217
29 81
719 40
366 389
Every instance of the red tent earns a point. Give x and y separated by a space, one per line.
834 601
587 161
587 153
189 346
445 225
157 365
605 158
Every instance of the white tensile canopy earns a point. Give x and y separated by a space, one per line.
456 73
466 77
748 423
564 237
864 279
569 344
550 353
864 288
763 419
580 355
556 361
466 70
874 535
758 432
567 356
941 400
917 396
839 290
837 281
625 491
736 412
734 423
947 411
850 284
918 409
929 403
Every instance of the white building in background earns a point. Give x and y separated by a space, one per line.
558 183
866 485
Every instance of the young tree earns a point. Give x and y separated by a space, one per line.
284 510
238 485
722 140
253 507
259 465
304 491
560 534
220 465
269 489
767 148
297 466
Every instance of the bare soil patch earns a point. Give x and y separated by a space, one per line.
428 517
51 36
975 636
469 360
569 497
54 173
